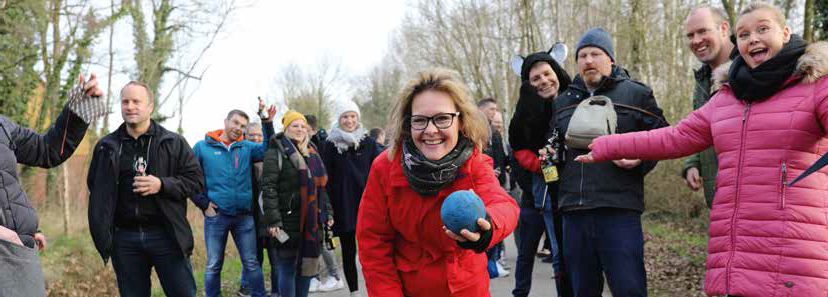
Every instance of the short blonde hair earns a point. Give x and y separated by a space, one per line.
474 126
778 16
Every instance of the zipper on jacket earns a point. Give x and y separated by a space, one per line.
783 185
116 162
736 200
581 187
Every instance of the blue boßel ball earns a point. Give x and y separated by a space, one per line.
461 210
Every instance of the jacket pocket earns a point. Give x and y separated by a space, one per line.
783 184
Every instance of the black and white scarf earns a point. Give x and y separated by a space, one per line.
428 177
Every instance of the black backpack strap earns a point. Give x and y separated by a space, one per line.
641 110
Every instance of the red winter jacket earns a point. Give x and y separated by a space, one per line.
402 247
766 239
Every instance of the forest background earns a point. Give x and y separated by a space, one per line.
45 44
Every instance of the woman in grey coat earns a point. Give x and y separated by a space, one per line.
21 274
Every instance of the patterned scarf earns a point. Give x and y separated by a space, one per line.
345 140
428 177
312 179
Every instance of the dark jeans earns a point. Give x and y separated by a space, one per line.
136 252
349 249
291 282
261 247
216 229
533 223
605 241
493 255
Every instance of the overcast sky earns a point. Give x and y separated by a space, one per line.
259 41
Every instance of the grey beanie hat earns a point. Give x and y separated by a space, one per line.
596 37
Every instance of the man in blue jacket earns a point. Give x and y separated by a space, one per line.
226 160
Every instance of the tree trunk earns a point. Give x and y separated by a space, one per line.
105 126
66 212
731 12
808 23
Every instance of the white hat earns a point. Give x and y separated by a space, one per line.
343 107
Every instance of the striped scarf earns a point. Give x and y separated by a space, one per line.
312 179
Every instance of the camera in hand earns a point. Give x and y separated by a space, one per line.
549 165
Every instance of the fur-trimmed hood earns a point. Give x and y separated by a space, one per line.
812 66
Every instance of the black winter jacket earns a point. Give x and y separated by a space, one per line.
24 146
604 184
281 199
347 175
170 159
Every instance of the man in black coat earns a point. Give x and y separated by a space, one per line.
20 273
602 202
139 180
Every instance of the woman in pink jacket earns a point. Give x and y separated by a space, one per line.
767 124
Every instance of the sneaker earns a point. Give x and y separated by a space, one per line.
547 259
544 253
332 284
243 292
502 263
314 285
500 271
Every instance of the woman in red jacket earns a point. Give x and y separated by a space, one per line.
403 246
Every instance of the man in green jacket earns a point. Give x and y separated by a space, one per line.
707 32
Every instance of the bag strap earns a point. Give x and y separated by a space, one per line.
630 107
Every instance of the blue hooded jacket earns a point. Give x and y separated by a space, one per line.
227 172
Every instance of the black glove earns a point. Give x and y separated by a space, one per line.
483 242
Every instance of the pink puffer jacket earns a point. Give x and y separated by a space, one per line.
766 239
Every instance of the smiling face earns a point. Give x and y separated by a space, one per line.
348 121
435 143
593 65
544 79
297 130
760 36
706 36
254 134
234 126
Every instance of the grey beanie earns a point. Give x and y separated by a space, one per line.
596 37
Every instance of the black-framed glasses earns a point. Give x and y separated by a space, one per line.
440 120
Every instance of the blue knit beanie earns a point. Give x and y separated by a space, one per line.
599 38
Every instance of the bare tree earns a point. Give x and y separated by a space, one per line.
312 92
174 28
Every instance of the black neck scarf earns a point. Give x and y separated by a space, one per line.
755 84
428 177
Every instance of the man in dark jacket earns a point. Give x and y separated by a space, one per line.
139 180
602 202
707 32
543 80
21 274
318 135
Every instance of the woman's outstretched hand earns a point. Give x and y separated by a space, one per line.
466 235
586 158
